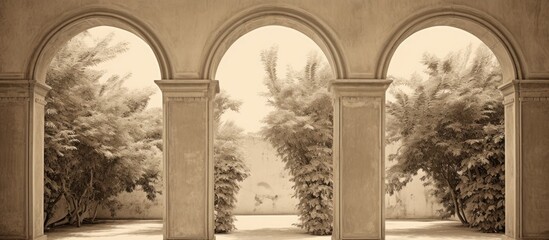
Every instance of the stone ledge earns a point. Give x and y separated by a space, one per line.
359 87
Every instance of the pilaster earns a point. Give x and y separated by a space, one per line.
188 158
526 153
22 159
359 172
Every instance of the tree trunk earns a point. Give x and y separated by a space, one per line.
95 212
461 207
51 212
457 206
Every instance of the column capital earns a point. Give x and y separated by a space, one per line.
534 90
188 87
527 90
359 87
23 88
509 87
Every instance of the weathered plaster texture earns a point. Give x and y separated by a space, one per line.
358 37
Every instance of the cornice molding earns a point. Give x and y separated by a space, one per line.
526 88
509 87
359 87
187 99
13 99
23 88
186 85
187 88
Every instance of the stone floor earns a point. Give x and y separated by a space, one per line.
268 227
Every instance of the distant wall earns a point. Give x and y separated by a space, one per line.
268 190
412 201
135 205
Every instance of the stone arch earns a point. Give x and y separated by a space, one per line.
499 40
487 29
256 17
70 27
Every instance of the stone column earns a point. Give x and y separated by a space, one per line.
359 172
526 159
22 159
188 158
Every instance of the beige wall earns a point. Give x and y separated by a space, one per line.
186 30
268 190
189 39
413 201
135 205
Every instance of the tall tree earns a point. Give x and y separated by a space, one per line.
229 167
300 129
96 142
450 125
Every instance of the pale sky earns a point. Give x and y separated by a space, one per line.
435 40
241 73
139 60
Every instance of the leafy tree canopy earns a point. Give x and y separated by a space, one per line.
100 139
300 129
450 125
229 167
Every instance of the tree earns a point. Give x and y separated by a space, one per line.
97 140
300 129
450 125
101 140
229 166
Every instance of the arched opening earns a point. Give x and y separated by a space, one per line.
439 84
102 134
257 62
493 36
56 37
261 16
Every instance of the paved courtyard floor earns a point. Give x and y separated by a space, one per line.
269 228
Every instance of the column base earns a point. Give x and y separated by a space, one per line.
43 237
335 238
190 238
505 237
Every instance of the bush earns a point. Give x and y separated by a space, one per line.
300 129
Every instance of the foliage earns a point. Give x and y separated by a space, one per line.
450 125
229 164
300 129
99 138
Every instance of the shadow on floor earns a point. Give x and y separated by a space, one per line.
108 229
433 229
268 228
270 233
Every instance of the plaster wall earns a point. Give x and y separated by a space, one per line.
269 191
535 194
135 205
13 195
187 29
189 39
